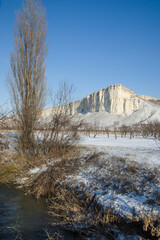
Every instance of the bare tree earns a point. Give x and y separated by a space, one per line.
63 128
27 76
95 128
106 130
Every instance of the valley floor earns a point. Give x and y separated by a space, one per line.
121 174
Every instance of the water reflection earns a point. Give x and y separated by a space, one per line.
23 217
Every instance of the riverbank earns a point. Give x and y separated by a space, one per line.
92 190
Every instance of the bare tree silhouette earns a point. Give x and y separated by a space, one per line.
27 76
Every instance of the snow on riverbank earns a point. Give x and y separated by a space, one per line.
124 176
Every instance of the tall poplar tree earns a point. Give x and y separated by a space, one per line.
27 75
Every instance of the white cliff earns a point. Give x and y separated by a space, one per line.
115 104
115 99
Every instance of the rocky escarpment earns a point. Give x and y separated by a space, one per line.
115 99
113 104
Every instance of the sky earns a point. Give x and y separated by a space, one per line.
93 44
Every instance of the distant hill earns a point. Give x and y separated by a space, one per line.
112 104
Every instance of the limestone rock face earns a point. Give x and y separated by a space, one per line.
115 99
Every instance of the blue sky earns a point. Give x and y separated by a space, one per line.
94 44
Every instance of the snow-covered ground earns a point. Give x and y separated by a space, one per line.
124 174
139 149
149 112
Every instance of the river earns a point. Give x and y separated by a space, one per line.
24 217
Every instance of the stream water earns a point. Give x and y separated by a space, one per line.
24 217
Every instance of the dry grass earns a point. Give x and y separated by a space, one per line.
8 173
47 182
16 166
70 206
151 223
79 212
66 207
53 236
